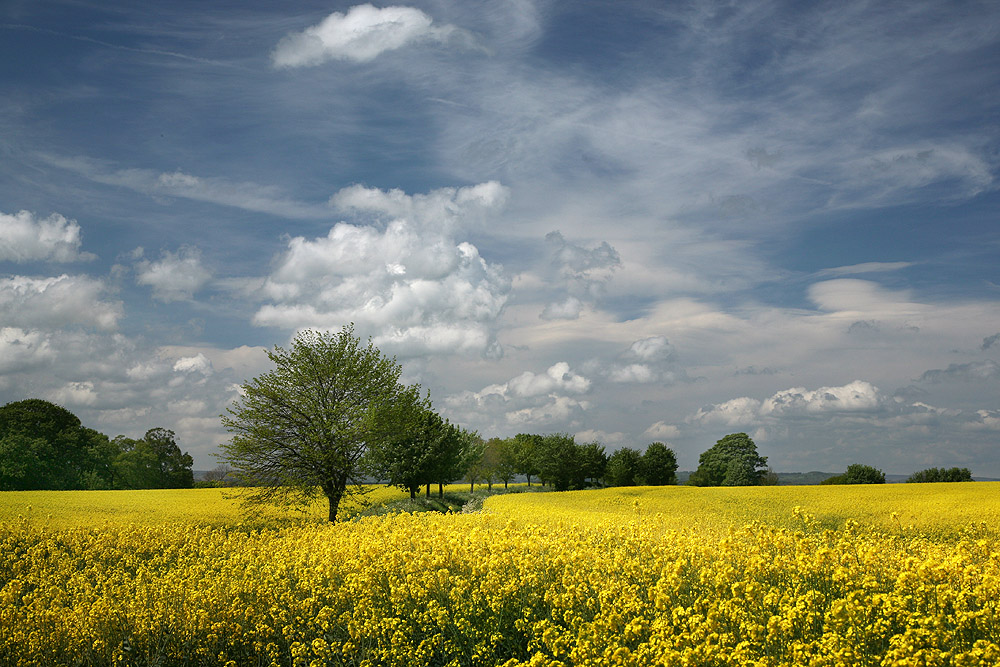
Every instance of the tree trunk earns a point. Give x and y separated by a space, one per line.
427 491
413 493
334 504
529 479
440 490
505 485
472 487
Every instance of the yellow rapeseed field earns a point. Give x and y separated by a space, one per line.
888 575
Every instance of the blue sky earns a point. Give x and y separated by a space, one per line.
628 221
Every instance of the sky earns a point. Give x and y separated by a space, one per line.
628 221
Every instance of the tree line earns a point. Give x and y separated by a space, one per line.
44 446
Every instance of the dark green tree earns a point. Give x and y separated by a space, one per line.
173 467
732 461
44 446
136 465
623 467
858 474
559 462
303 428
526 451
658 466
941 475
594 462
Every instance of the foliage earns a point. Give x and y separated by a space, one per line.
425 449
526 452
44 446
941 475
658 466
559 462
303 428
623 467
857 474
593 461
732 461
539 579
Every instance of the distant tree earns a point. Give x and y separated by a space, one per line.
303 428
405 457
658 466
526 448
593 461
623 467
559 462
770 478
136 466
220 475
506 463
858 474
173 466
472 461
732 461
941 475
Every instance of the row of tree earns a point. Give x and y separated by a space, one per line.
44 446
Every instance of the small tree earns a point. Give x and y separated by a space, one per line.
658 466
302 428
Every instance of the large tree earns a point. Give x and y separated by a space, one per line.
44 446
302 429
732 461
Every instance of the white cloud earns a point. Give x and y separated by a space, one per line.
196 364
56 302
174 277
23 238
22 351
411 286
529 399
857 396
446 210
361 35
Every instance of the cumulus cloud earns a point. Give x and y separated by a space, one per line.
56 302
447 210
361 35
24 238
175 276
411 285
855 397
582 273
537 399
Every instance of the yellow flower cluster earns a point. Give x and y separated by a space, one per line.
599 578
